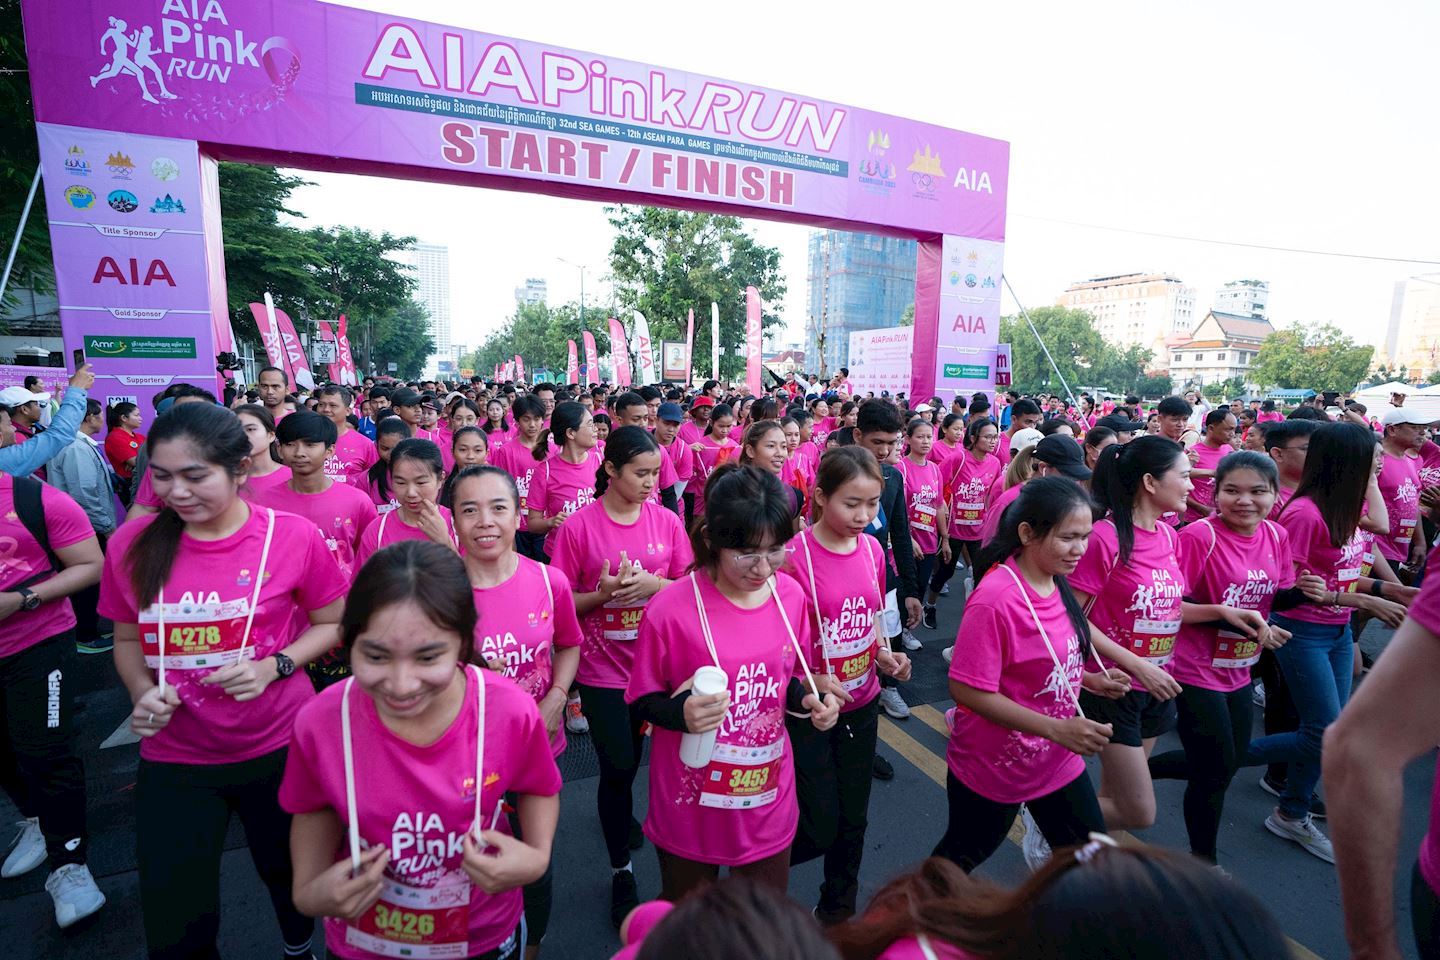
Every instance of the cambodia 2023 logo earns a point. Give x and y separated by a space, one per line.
195 41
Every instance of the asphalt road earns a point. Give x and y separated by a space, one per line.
907 817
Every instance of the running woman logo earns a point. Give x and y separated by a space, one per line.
195 41
52 700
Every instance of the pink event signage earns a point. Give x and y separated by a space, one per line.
311 83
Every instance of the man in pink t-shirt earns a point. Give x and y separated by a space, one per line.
1205 456
354 453
1400 484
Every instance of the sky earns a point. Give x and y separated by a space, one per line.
1283 124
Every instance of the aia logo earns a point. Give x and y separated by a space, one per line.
128 274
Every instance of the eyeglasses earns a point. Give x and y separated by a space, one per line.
751 561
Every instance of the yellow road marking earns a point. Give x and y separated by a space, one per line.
933 766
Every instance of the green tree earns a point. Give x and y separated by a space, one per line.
1075 345
1314 358
665 262
261 252
907 316
401 339
18 163
357 276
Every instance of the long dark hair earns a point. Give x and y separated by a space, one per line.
973 428
1074 908
220 440
412 571
567 416
379 472
449 486
1043 503
742 504
1120 471
720 410
736 918
488 425
530 405
622 446
421 451
1338 466
754 434
265 418
837 467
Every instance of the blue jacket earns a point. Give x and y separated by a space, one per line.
23 459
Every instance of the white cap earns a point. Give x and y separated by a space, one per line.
1393 417
924 408
1025 438
19 396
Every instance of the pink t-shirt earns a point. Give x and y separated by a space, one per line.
1208 458
682 458
254 486
390 527
1282 497
689 432
844 594
1221 566
667 477
910 948
1002 651
1135 604
580 548
67 525
1429 465
420 800
968 483
741 808
923 496
521 622
1399 483
994 510
713 453
354 454
942 450
1311 549
642 920
341 513
519 461
207 601
1425 610
558 487
1002 447
1269 416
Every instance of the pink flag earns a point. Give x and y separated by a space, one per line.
592 358
519 368
332 370
619 353
753 341
690 347
297 364
496 374
270 335
347 359
572 369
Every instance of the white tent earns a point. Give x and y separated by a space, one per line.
1381 394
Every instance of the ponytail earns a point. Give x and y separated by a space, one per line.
1119 475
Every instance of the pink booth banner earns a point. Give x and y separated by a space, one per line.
572 365
592 358
619 353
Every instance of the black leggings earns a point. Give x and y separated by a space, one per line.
978 825
1280 713
540 895
1424 916
832 784
944 571
1214 730
181 814
615 731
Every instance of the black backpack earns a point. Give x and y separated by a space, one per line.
31 510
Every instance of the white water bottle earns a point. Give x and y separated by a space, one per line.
697 748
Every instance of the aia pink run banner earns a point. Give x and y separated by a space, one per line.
619 353
519 368
592 358
572 367
754 341
259 77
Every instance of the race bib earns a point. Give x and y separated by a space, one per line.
922 516
1233 650
743 778
851 662
969 514
620 623
1155 639
423 923
1406 532
197 636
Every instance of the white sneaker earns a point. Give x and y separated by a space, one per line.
575 721
1035 847
75 894
948 653
945 590
28 851
969 585
1257 696
1303 832
909 641
893 704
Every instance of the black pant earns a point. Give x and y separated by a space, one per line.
944 571
84 603
181 814
538 896
615 731
689 498
1424 916
1215 732
832 783
39 767
1280 713
978 825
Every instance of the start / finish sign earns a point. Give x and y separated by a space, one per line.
311 84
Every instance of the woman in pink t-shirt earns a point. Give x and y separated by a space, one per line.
738 808
1018 735
1236 565
398 776
216 603
565 482
928 508
468 448
713 450
951 439
969 481
389 431
765 448
416 477
618 553
1322 520
266 470
841 571
1130 584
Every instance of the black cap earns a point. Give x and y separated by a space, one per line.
1062 453
404 397
1119 424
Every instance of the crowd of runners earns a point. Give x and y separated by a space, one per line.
365 622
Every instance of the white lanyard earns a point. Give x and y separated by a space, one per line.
1044 636
351 805
815 594
249 617
785 617
923 942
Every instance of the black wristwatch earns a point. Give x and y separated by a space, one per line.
284 666
1377 588
29 600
